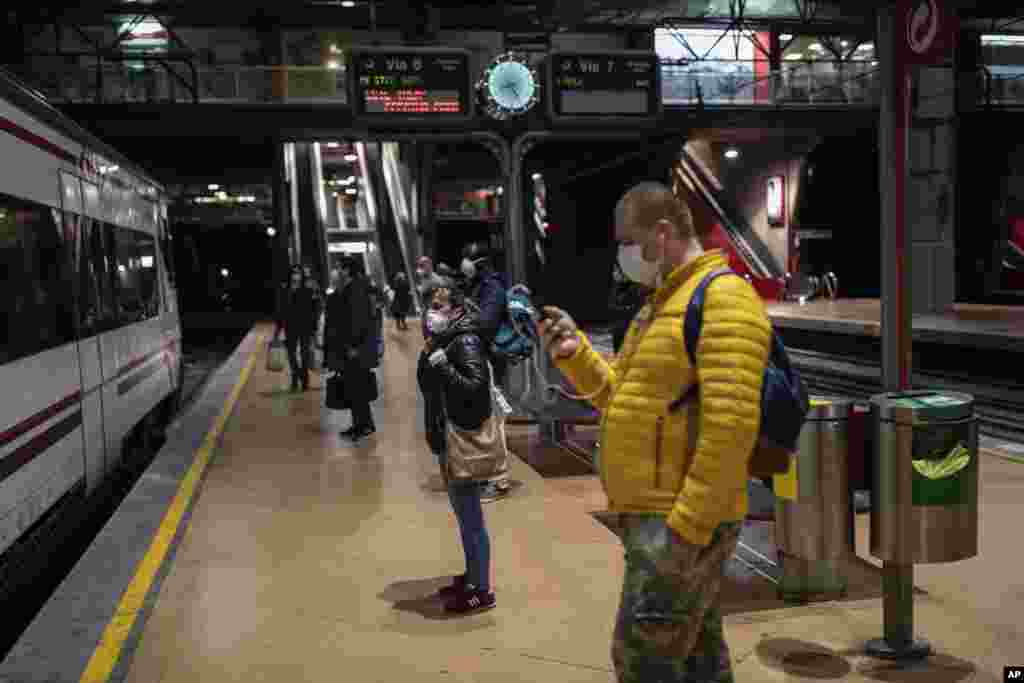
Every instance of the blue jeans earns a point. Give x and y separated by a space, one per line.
476 543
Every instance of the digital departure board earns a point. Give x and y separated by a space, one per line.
604 86
410 84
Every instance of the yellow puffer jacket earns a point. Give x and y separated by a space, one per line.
690 464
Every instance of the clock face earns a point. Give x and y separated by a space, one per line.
511 85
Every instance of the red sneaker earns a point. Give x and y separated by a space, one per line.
470 600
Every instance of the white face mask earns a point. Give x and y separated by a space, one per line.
631 260
437 322
468 268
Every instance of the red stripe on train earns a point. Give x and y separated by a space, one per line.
39 418
31 138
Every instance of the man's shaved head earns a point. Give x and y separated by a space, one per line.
648 202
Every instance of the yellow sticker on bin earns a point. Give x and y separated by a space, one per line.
785 485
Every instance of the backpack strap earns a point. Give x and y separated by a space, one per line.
691 328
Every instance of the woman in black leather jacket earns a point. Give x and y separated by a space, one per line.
454 379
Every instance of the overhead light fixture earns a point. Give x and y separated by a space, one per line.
221 194
213 186
866 47
786 36
795 56
349 180
271 232
146 261
1002 39
501 190
351 190
121 269
333 145
333 64
348 3
351 157
334 49
844 43
732 153
224 272
816 47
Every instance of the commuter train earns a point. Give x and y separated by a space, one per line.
90 348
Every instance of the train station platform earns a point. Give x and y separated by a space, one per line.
977 326
260 547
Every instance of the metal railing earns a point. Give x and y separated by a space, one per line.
117 83
1002 90
710 83
839 83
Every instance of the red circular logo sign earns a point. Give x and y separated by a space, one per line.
922 26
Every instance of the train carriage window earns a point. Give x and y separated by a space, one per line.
149 289
36 302
108 245
95 315
138 296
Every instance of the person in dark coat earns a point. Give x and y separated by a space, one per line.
402 305
350 345
298 310
485 288
454 379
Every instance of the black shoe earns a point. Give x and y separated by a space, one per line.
457 586
360 433
470 600
348 433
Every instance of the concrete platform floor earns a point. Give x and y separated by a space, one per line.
310 560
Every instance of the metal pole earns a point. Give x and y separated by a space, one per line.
894 106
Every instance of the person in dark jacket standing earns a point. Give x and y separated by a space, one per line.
455 382
485 288
298 310
350 345
402 305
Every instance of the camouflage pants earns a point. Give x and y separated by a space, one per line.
669 626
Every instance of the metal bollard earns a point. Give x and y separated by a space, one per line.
812 510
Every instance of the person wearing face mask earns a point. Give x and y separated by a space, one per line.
350 344
428 282
454 380
487 291
676 472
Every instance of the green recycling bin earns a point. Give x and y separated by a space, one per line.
812 503
926 477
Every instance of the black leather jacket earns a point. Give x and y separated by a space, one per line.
461 386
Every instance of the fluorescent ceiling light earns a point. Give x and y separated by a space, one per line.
816 47
271 232
147 261
351 157
795 55
844 43
866 46
224 272
732 153
1002 39
333 145
786 36
348 3
213 186
351 190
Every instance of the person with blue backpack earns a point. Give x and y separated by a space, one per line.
700 399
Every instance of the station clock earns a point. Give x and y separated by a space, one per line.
509 86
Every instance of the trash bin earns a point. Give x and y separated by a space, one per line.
812 506
925 477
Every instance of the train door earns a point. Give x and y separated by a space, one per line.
82 199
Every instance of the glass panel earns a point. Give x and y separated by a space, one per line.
37 300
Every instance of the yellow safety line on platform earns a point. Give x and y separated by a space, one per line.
105 657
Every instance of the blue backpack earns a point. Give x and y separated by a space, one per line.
516 337
784 400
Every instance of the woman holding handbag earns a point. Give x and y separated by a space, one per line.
466 434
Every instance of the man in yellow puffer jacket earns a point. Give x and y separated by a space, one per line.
678 478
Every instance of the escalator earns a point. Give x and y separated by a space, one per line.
743 242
